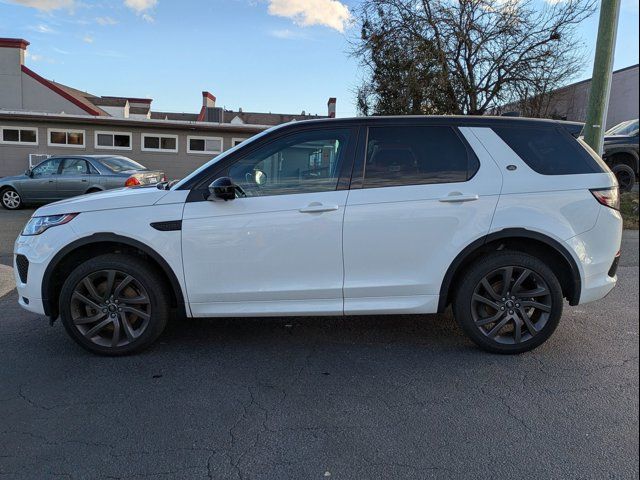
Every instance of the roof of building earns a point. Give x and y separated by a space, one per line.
184 117
139 110
109 102
266 118
157 123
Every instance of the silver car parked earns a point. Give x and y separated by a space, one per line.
70 175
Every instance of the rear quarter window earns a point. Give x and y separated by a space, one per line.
549 150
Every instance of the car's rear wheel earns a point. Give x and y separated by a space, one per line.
625 175
114 304
509 302
11 199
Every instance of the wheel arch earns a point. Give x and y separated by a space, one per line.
520 239
627 156
87 247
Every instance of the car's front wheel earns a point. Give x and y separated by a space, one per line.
114 304
509 302
11 199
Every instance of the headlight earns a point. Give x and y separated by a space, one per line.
37 225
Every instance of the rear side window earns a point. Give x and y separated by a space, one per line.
549 151
418 155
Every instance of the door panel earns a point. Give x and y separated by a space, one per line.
400 240
42 185
74 178
263 256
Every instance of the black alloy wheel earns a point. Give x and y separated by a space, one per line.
508 302
115 304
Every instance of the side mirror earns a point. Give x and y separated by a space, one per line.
28 172
222 188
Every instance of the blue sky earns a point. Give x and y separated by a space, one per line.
282 56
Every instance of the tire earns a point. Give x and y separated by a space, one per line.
625 175
481 312
135 307
10 199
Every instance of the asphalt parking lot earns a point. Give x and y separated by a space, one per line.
304 398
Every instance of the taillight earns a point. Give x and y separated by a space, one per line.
609 197
131 182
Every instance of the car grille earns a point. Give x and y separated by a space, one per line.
23 267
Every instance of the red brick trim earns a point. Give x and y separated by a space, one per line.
209 96
59 91
13 43
201 114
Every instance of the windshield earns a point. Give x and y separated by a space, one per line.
120 164
630 127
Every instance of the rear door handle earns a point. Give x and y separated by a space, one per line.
457 197
316 207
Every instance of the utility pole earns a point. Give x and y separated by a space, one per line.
595 124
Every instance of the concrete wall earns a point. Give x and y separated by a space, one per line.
11 78
14 159
571 102
38 98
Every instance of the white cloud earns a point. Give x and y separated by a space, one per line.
106 21
42 28
330 13
148 18
140 5
87 39
46 5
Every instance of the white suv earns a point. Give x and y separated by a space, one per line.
502 218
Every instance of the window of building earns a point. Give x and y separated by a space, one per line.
159 143
237 141
66 138
19 135
210 145
113 140
418 155
305 162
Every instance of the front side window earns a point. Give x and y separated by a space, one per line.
306 162
74 166
66 138
27 136
419 155
113 140
168 143
46 168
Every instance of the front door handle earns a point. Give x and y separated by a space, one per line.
316 207
457 197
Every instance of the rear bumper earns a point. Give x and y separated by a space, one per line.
597 251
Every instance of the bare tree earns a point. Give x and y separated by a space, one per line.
466 56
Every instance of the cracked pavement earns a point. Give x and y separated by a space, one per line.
303 398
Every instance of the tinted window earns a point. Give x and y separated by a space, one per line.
416 155
548 150
48 167
300 163
74 166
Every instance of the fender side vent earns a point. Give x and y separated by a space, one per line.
168 226
22 264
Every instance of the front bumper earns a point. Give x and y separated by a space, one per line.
38 250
